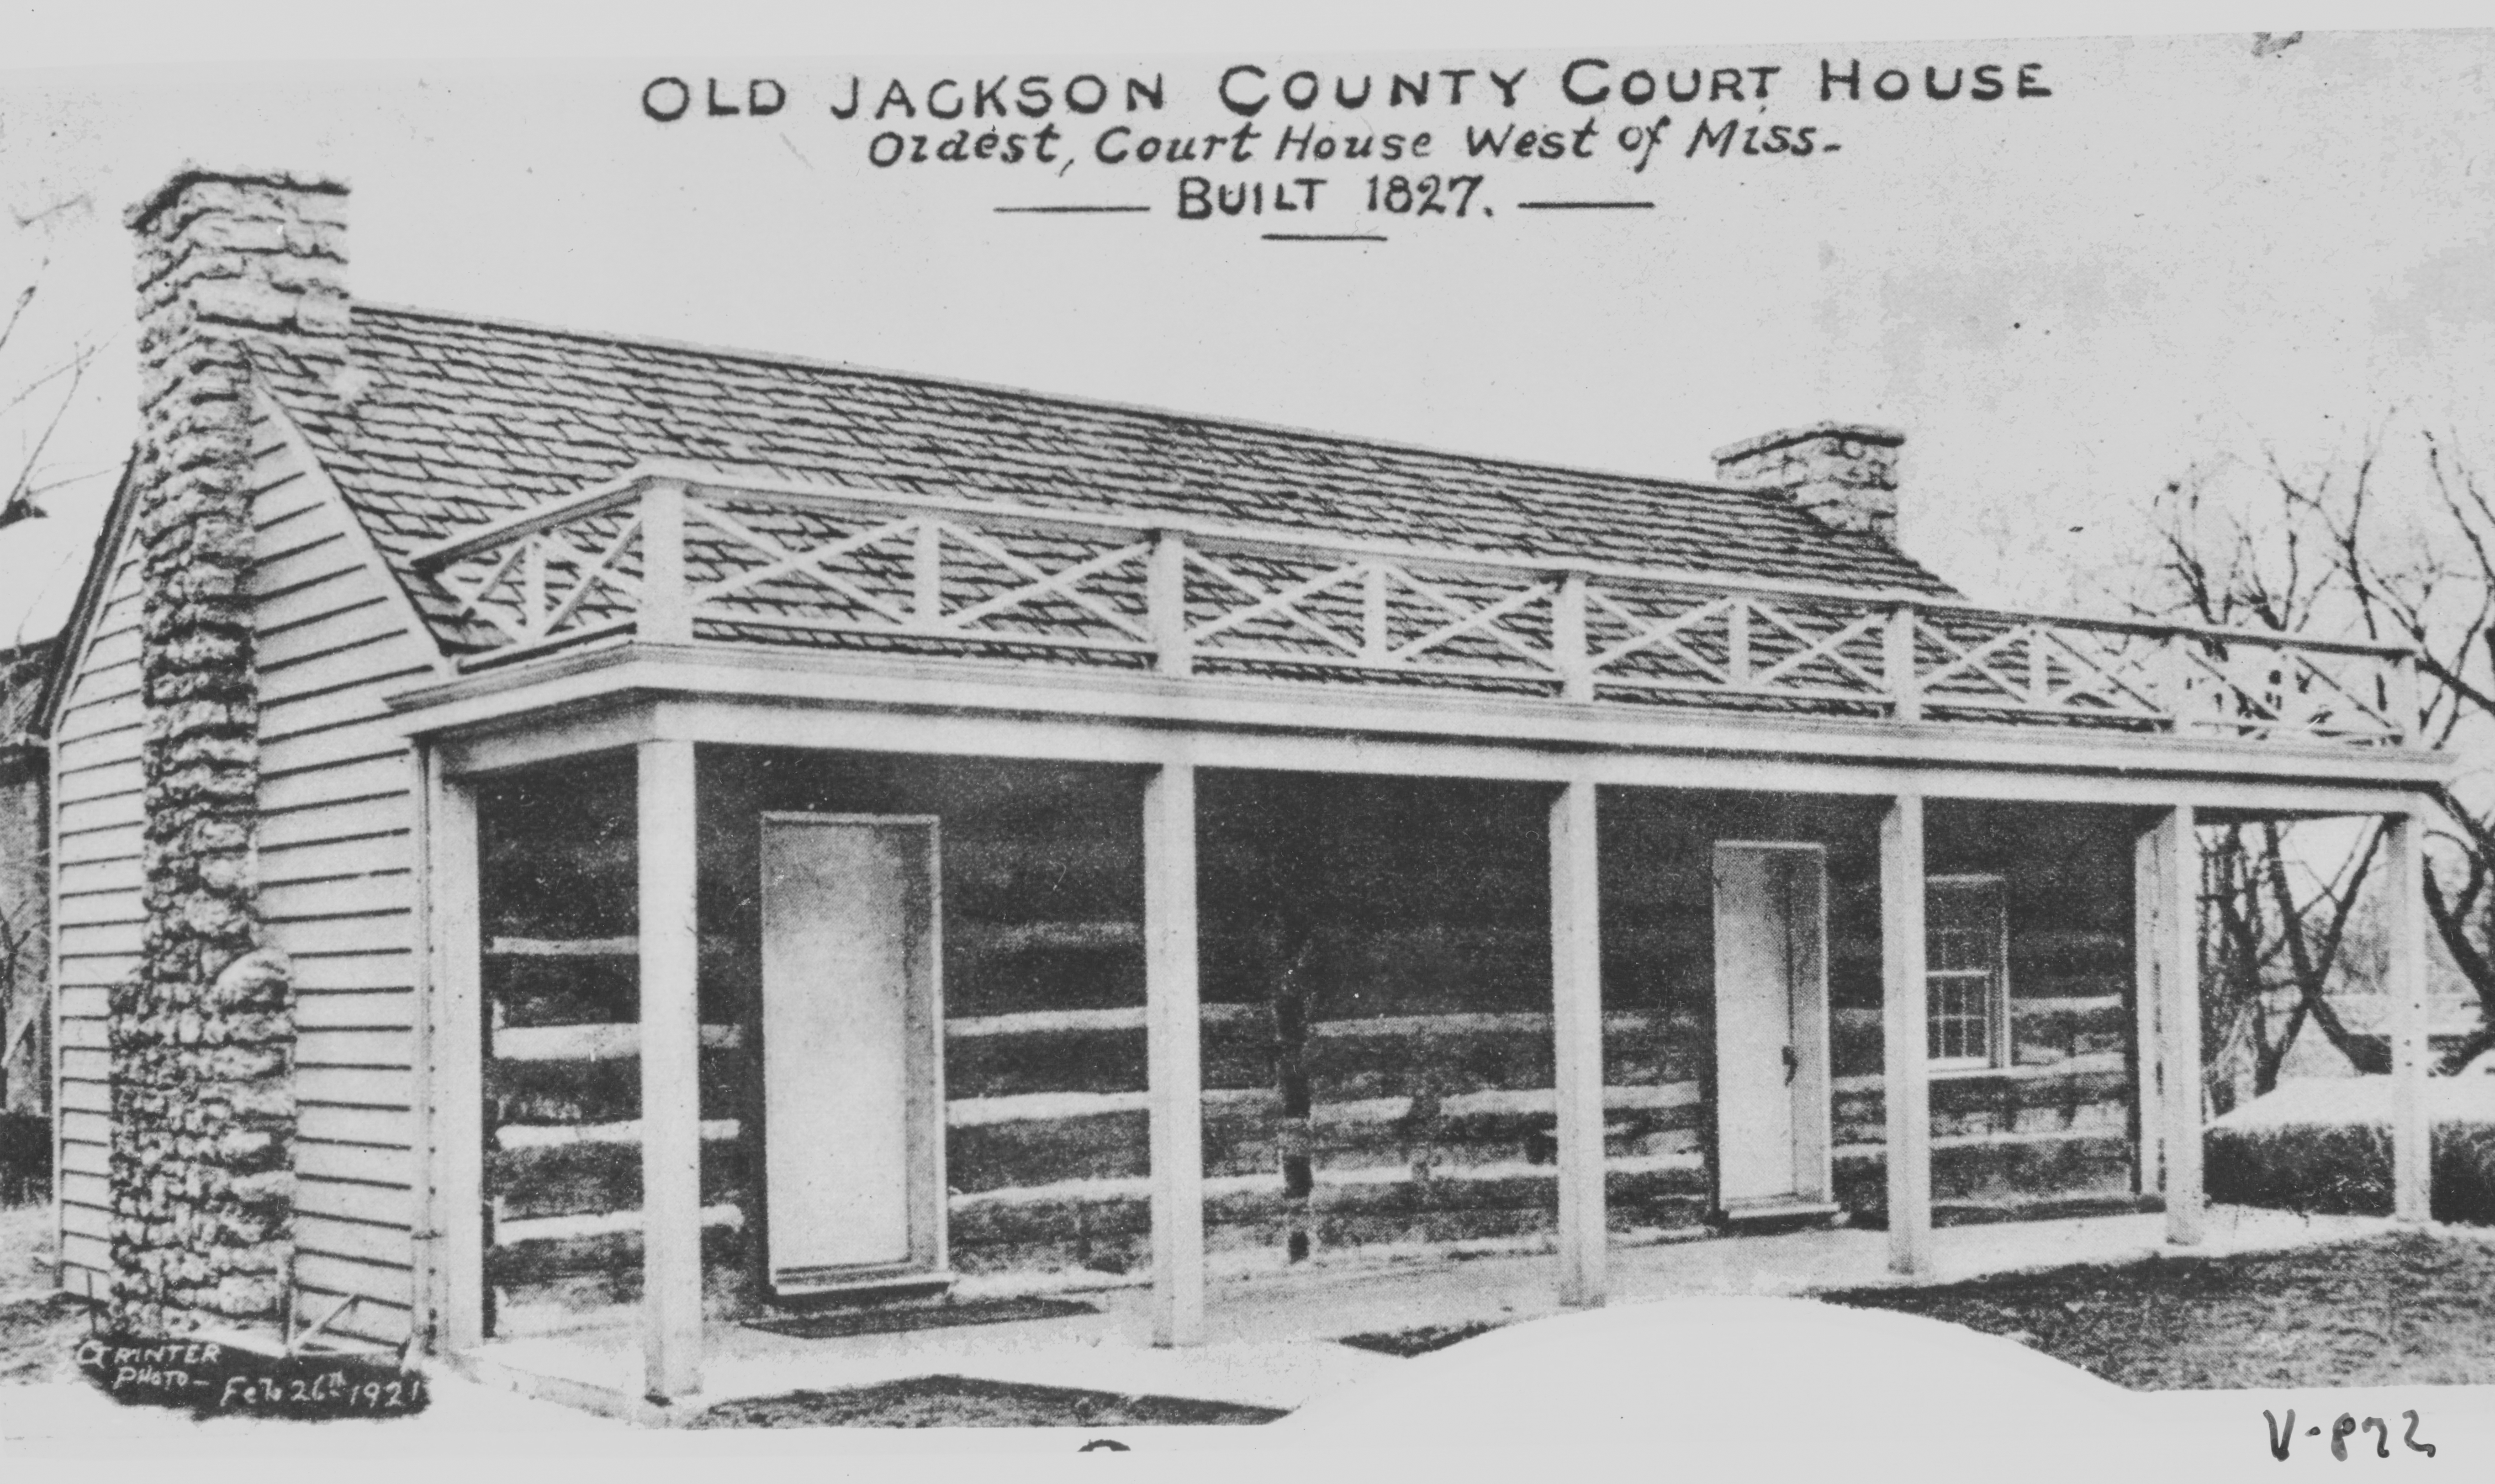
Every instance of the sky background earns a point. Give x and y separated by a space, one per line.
2193 251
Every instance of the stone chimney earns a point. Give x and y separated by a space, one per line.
203 1034
1844 473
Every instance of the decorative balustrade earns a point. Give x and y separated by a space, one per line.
697 556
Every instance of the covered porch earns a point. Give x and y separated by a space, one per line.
1538 1050
1140 1075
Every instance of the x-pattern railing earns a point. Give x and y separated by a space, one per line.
2258 691
2040 667
545 585
914 575
1369 612
689 555
1697 642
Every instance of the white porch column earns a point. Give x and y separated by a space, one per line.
1175 1054
2148 1160
1577 1035
2404 919
2168 898
671 1260
1906 1053
666 615
454 1064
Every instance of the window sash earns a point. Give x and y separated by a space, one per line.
1966 980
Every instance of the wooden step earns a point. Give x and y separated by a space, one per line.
801 1288
1780 1213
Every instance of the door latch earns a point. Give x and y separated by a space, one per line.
1793 1065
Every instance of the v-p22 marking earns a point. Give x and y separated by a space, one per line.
2283 1437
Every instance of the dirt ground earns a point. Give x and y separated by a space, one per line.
38 1325
960 1401
1404 1343
2412 1309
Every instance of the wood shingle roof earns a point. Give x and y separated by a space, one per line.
447 421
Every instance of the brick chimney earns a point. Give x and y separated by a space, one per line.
1844 473
202 1035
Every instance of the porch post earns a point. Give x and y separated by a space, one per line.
2148 1166
671 1260
454 1065
666 615
1175 1055
1577 1034
1906 1055
2412 1119
2169 890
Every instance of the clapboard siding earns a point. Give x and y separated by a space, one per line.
104 778
282 503
390 812
312 860
354 1201
352 937
119 938
113 873
85 1220
116 842
368 967
313 623
96 907
344 786
357 1087
96 980
338 888
341 668
294 562
335 1161
84 1260
323 1010
96 779
384 892
112 650
112 812
381 1291
385 1127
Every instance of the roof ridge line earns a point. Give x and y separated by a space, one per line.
791 358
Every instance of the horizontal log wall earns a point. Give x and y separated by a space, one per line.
1395 936
2067 888
1413 916
562 1077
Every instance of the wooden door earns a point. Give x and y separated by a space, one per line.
1771 1110
851 1066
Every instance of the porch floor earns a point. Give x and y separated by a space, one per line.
1270 1335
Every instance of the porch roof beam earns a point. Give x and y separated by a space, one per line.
1279 717
953 734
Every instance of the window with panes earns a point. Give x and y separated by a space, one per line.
1966 977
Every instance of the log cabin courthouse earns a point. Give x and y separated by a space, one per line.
555 828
